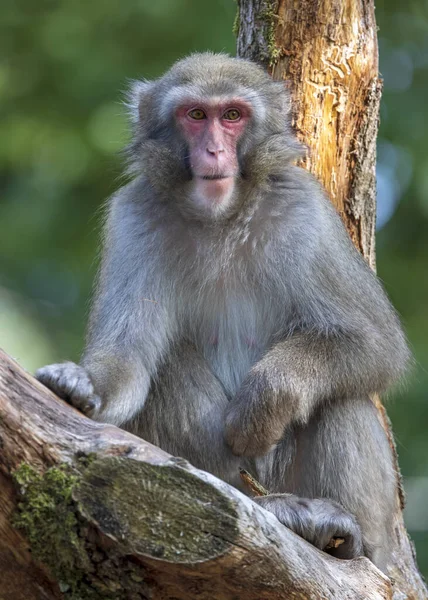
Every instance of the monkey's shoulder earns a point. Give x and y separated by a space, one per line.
135 212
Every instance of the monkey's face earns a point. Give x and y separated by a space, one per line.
210 133
212 130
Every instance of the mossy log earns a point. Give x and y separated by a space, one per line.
88 511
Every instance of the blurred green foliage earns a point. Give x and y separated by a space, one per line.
64 64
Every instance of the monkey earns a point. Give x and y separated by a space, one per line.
234 323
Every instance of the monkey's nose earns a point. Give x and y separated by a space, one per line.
215 150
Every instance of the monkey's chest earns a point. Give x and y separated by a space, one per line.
232 332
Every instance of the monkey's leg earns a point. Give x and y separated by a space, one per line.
184 414
343 455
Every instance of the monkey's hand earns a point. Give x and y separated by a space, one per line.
258 415
72 383
317 521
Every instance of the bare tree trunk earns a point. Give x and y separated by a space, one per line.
326 51
88 511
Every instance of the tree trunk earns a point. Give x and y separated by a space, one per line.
88 511
326 51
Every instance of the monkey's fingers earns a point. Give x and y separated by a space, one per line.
336 530
72 383
322 522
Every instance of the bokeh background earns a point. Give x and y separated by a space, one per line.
63 67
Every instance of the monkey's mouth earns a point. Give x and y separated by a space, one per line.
214 189
214 177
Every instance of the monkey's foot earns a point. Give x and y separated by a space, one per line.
317 521
71 383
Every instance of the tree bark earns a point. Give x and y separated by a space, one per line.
90 511
326 52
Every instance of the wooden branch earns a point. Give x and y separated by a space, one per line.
90 511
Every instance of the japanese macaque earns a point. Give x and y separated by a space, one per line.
234 323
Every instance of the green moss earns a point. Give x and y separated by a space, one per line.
47 516
161 511
270 16
235 27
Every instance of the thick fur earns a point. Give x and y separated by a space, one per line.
258 332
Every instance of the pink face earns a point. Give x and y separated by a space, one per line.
212 131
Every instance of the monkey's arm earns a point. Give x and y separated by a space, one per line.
346 341
130 326
296 375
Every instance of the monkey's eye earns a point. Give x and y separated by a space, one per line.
232 114
197 114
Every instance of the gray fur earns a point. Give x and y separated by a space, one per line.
258 332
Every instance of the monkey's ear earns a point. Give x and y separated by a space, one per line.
138 101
